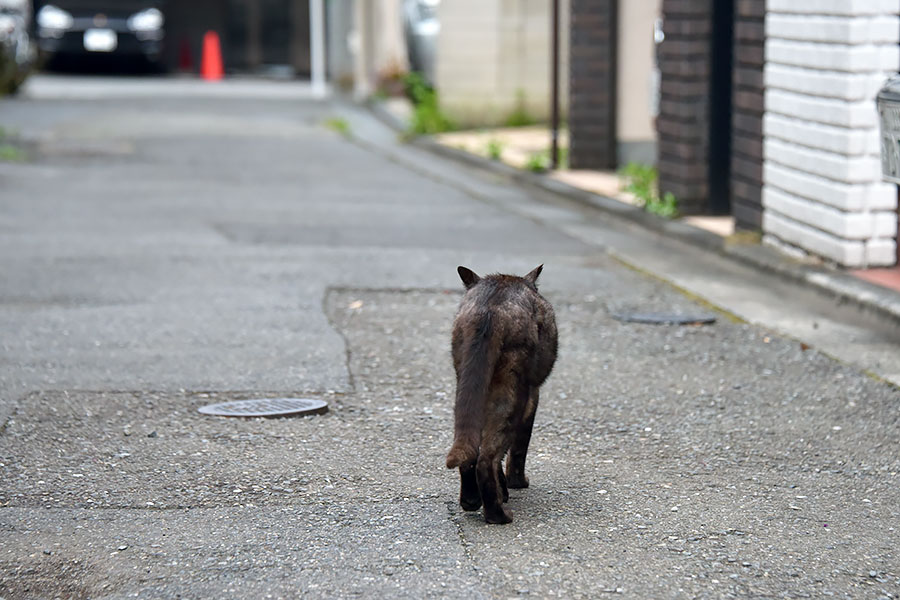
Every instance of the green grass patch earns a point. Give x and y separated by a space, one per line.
338 125
494 149
562 157
9 153
538 162
520 117
643 182
745 238
428 118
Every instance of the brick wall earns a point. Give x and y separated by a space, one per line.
592 84
823 193
747 113
683 121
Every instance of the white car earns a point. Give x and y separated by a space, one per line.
421 28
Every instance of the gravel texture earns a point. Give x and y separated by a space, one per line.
768 471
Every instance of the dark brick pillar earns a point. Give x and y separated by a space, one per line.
747 139
683 121
592 84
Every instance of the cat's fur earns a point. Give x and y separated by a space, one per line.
504 347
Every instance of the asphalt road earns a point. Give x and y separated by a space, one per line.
160 251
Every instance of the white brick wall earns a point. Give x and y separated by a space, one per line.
824 84
823 193
852 8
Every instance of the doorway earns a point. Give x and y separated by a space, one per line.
720 110
268 37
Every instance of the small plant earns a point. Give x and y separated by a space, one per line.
745 236
338 125
427 115
538 162
642 181
666 208
391 81
520 117
562 157
494 149
9 153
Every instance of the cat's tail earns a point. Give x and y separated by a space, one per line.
475 372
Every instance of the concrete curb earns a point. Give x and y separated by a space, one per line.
841 287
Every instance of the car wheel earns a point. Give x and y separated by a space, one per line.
15 84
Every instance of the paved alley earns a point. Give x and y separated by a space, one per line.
161 251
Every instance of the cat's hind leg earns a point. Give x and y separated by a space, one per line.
506 401
487 471
515 464
469 496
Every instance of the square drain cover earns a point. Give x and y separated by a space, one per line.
266 407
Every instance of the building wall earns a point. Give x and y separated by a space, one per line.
339 23
494 54
747 113
823 193
253 34
635 126
185 26
684 110
592 85
375 43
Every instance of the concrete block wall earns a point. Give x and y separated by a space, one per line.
493 55
636 82
822 187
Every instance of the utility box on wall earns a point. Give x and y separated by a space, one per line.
889 116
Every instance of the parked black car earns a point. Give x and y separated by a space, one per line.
131 29
17 50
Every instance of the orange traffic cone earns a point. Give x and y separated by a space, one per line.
211 67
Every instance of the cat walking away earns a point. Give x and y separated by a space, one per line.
504 346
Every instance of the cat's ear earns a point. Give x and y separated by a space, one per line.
469 278
532 277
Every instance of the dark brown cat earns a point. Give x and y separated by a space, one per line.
504 347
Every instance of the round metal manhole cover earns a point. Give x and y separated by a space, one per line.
267 407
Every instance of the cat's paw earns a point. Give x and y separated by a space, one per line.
516 481
470 504
500 516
